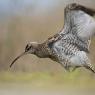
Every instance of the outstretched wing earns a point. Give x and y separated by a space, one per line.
79 22
79 27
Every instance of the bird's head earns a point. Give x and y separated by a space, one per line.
75 6
29 49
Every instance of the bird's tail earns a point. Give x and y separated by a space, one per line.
90 67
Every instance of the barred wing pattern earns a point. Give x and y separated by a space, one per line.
74 39
79 24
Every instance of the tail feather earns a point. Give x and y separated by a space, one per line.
90 67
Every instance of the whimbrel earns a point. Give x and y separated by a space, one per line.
70 46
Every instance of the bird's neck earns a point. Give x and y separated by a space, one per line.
42 51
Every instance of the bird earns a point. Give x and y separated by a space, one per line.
70 46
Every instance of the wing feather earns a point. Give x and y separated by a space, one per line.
79 24
79 27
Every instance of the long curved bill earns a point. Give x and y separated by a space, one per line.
24 53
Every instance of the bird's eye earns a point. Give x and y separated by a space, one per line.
28 48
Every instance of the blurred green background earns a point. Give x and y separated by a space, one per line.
22 21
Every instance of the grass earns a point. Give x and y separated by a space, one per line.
47 79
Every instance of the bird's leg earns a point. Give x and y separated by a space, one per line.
74 68
65 66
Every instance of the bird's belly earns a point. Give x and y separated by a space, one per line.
79 59
75 61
